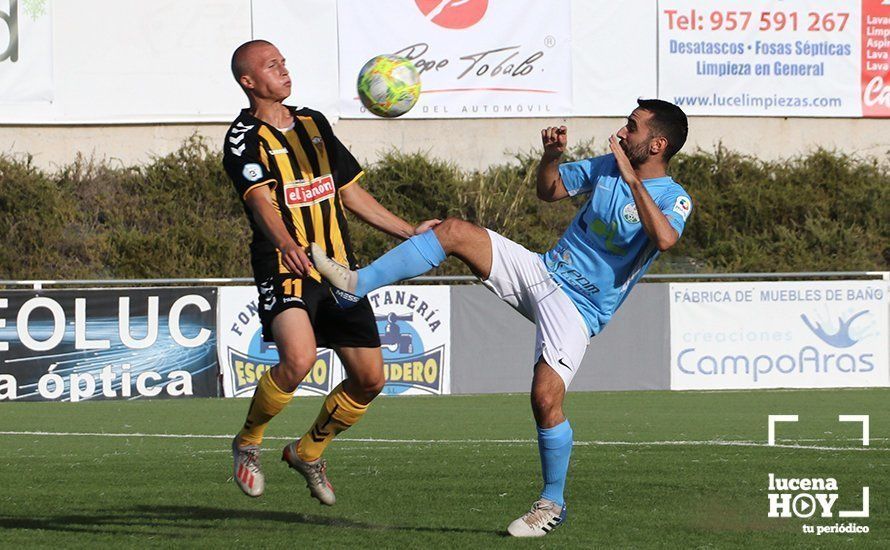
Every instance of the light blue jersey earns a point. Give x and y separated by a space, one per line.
605 250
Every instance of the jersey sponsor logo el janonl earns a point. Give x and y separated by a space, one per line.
301 193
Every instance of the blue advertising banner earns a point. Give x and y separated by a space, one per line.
77 345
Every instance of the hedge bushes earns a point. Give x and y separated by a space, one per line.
178 215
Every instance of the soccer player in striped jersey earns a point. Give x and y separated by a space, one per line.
295 178
633 211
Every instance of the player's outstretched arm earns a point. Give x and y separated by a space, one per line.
366 207
549 184
654 222
267 217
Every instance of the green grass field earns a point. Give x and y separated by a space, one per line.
649 469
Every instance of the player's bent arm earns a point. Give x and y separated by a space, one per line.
654 222
550 187
367 209
269 220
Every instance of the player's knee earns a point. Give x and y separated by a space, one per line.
546 405
451 232
370 381
373 385
296 365
365 386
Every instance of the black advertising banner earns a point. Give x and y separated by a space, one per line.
76 345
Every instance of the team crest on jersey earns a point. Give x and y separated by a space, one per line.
252 172
683 206
318 142
302 193
630 213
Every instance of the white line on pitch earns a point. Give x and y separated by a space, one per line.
689 443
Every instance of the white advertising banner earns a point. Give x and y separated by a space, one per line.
779 335
311 51
244 357
125 61
414 323
477 58
608 75
26 52
763 57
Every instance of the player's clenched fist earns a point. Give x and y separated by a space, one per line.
295 259
554 140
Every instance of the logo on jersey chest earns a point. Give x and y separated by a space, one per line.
608 232
630 213
302 193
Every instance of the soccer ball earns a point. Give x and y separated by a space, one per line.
389 85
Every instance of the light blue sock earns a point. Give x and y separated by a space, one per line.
555 446
413 257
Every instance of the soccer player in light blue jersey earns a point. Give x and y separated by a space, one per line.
634 210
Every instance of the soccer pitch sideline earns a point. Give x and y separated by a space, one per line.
649 469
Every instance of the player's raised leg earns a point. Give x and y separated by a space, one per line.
413 257
273 392
342 408
555 448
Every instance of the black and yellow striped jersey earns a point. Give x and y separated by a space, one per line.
303 169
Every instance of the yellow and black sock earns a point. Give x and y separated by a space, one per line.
338 413
268 400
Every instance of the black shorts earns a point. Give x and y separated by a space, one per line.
334 327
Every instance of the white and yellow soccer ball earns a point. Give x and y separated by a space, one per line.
389 85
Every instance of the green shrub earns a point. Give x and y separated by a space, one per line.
178 216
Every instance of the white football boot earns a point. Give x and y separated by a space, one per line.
314 472
545 516
247 473
341 279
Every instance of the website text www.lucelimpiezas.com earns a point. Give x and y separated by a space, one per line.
756 101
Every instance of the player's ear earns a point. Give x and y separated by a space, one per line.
246 82
658 145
